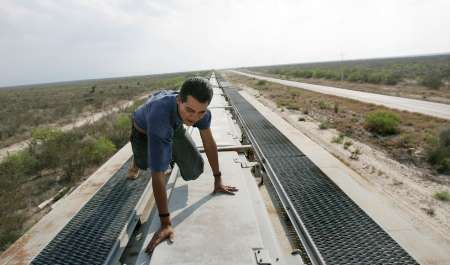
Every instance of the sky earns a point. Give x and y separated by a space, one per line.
60 40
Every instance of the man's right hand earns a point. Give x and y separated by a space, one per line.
165 232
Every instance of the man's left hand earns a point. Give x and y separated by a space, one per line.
219 188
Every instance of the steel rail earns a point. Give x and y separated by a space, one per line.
331 226
299 227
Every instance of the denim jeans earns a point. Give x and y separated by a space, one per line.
184 153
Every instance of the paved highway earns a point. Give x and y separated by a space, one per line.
413 105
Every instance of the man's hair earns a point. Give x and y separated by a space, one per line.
197 87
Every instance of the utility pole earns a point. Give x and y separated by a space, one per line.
342 67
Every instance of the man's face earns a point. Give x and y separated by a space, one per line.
191 111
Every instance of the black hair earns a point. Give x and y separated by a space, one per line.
197 87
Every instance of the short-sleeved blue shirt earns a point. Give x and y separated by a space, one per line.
159 118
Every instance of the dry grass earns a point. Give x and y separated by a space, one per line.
410 145
25 108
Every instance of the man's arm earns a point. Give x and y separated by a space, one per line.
159 191
210 147
209 144
158 162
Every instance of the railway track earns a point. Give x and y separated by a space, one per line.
331 227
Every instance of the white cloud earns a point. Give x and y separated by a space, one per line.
51 40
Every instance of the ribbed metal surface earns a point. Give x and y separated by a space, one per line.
338 228
289 228
91 235
272 142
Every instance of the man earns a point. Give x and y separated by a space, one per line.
158 137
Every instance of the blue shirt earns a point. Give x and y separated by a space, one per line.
159 118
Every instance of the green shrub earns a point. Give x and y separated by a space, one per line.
357 76
406 140
285 102
123 122
338 139
324 125
323 105
432 80
74 151
65 152
10 230
293 107
375 77
442 196
333 75
52 147
275 71
16 168
261 83
297 74
45 134
308 74
382 122
303 74
100 150
439 151
347 144
317 74
336 107
391 79
437 154
444 137
120 132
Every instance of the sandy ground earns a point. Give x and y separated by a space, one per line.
84 119
411 188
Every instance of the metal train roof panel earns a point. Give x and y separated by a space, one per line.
224 129
211 229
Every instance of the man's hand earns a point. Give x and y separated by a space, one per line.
165 232
220 188
211 153
225 189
